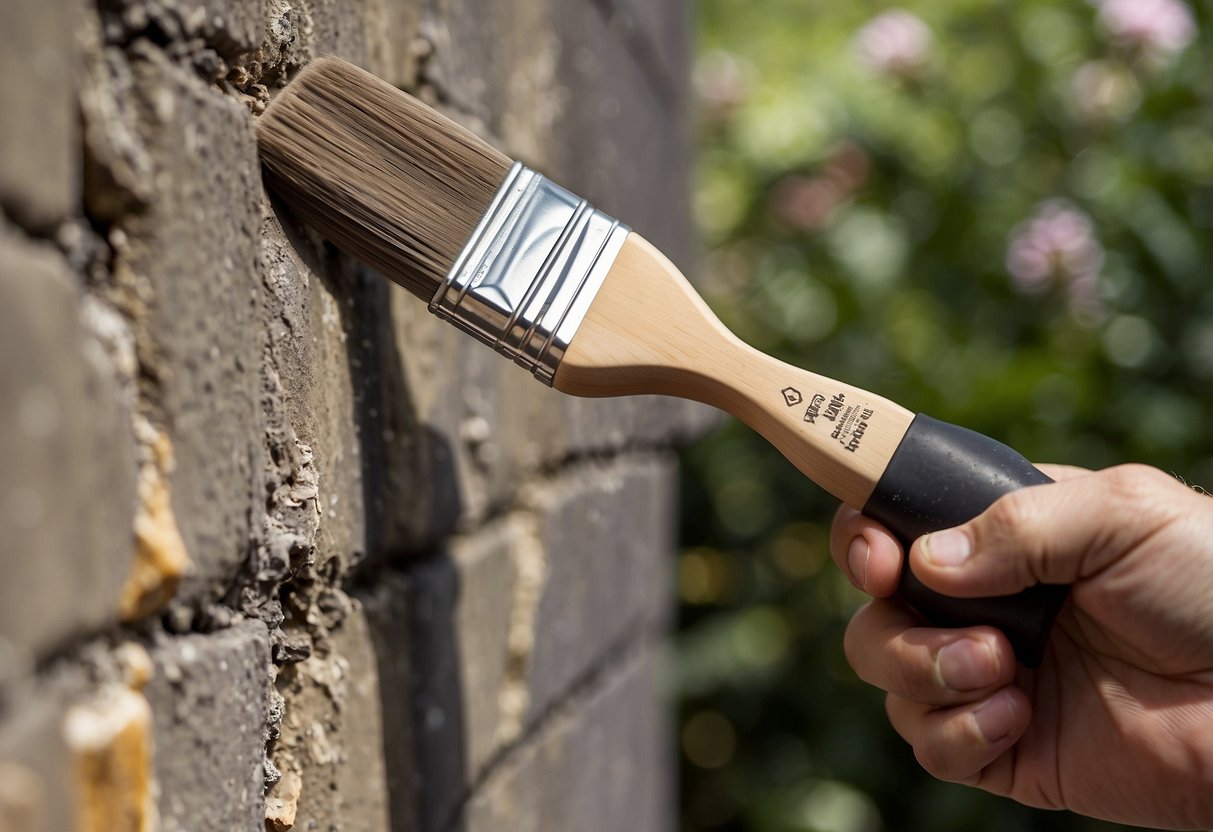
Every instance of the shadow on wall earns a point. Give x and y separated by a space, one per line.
421 696
416 645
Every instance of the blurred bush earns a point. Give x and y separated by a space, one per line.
994 212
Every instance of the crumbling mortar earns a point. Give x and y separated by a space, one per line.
186 38
253 74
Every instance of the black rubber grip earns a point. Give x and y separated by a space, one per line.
940 476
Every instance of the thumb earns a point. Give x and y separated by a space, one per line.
1058 533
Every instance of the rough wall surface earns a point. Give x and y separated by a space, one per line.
278 549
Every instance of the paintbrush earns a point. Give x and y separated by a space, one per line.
592 309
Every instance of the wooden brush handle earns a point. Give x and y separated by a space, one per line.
649 332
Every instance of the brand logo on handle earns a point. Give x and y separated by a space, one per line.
792 396
814 410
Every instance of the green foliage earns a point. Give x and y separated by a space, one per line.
1008 228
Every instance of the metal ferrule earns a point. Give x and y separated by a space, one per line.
525 279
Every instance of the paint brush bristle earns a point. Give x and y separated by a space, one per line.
380 174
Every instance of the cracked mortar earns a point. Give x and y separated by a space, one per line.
530 563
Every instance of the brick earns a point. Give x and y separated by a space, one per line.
602 762
498 630
187 263
453 617
39 169
313 307
608 534
209 703
67 495
505 425
331 733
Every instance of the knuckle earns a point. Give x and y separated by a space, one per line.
911 684
1011 532
1133 484
1012 511
1008 516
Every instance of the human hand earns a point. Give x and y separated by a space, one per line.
1117 723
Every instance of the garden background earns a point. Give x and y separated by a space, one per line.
997 213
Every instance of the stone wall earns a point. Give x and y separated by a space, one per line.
278 549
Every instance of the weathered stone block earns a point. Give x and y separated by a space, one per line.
315 310
230 27
187 266
209 704
602 762
39 160
498 630
67 494
452 617
607 531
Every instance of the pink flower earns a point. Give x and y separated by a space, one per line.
1056 244
1164 27
895 43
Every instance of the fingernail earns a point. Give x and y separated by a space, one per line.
997 718
857 560
950 547
967 664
